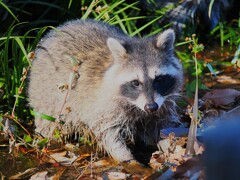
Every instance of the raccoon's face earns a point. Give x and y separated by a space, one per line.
146 74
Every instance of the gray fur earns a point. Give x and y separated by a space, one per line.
76 78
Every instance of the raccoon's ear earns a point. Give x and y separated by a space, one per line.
116 48
166 40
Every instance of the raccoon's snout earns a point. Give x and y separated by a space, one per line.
151 107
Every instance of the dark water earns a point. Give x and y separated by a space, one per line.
11 164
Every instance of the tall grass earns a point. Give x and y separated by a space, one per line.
14 63
228 34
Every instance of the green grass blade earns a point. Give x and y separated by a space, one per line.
126 19
13 37
126 7
210 8
110 8
23 49
43 116
221 34
69 4
118 19
89 9
9 10
145 26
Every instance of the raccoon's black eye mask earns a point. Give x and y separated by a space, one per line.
164 84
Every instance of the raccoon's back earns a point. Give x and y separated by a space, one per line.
74 53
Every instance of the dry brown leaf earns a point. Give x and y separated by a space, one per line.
39 176
101 163
134 167
24 174
72 147
157 160
59 173
176 157
224 79
170 152
60 158
85 155
59 154
116 175
31 55
221 97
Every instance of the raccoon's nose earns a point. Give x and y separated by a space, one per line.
151 107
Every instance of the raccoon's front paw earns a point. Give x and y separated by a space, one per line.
123 155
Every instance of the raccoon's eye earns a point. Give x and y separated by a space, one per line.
135 83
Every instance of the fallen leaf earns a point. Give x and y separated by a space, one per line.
221 97
71 147
116 175
60 158
227 80
39 176
31 55
59 154
24 174
170 153
101 163
134 167
59 173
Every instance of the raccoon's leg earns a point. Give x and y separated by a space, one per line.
115 145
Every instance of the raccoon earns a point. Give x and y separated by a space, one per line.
88 73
